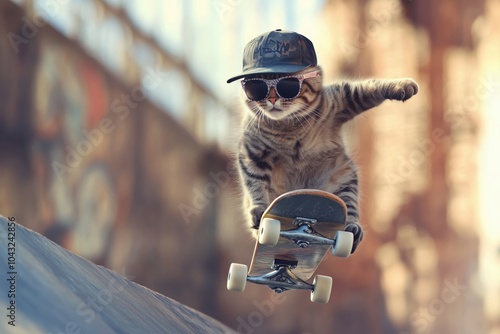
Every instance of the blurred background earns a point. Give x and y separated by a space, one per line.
117 130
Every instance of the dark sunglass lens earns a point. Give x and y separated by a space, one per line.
256 90
288 88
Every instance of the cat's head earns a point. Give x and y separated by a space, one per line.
281 96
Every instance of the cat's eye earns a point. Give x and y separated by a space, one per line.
287 87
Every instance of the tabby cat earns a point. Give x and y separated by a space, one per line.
292 139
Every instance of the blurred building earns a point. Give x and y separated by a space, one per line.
95 162
116 131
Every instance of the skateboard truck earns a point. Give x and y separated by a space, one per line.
281 278
305 235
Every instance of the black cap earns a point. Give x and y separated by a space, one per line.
277 51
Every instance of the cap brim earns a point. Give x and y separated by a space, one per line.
279 69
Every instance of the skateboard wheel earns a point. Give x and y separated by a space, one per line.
322 289
237 277
269 232
343 244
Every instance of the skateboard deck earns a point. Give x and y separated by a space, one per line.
330 213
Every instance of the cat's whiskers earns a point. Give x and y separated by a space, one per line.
258 116
313 112
299 117
305 117
250 122
298 120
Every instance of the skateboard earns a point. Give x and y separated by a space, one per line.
295 234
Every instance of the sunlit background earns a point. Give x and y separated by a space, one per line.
117 129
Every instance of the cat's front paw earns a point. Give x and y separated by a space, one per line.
357 231
402 90
256 215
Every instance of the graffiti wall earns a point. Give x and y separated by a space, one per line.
97 168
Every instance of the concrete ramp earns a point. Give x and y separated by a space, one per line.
51 290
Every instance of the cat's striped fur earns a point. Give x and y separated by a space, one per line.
300 146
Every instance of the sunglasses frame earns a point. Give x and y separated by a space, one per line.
274 82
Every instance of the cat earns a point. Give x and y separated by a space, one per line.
296 143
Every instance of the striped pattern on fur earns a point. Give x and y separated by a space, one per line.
295 144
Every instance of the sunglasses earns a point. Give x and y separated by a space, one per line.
288 87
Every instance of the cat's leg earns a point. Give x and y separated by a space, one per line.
258 197
255 174
348 192
352 98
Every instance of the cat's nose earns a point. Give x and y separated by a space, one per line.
273 97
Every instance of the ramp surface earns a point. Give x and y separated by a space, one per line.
56 291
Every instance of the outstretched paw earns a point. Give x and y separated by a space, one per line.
357 231
402 90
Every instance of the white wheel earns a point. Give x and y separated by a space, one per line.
269 232
237 277
322 289
343 244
